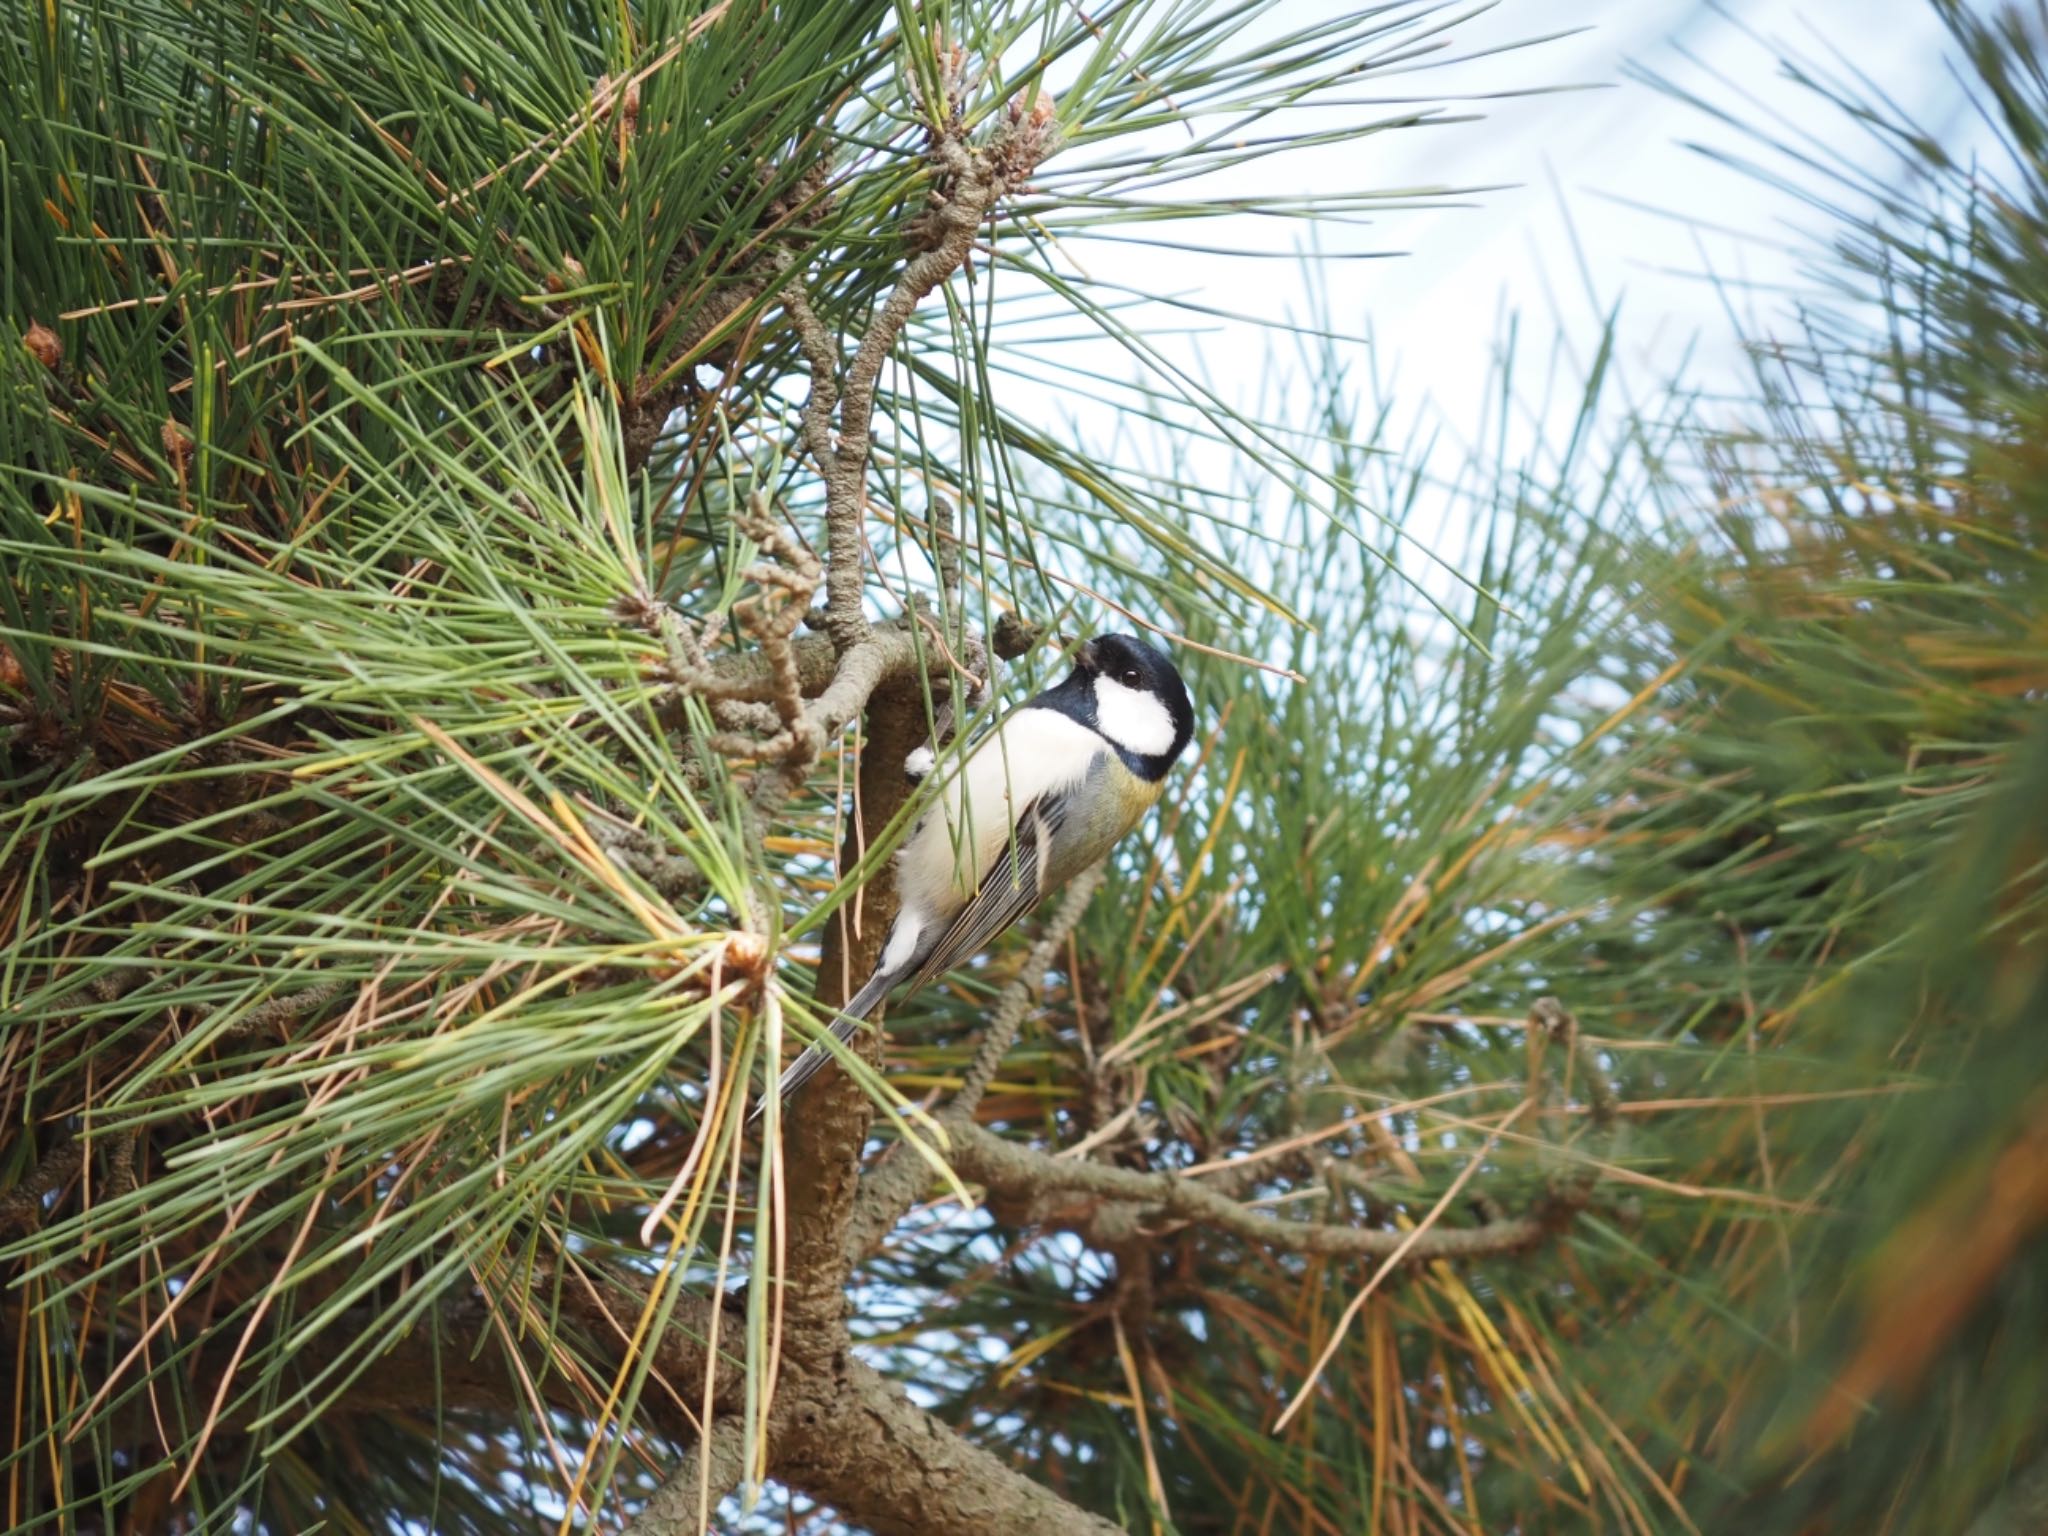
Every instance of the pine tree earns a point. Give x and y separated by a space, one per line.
493 494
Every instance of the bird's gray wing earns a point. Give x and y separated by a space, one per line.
806 1066
1014 885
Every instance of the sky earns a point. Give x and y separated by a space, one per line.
1600 195
1591 170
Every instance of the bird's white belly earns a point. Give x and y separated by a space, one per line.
1033 753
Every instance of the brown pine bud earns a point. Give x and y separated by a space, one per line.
43 345
746 954
1015 634
177 444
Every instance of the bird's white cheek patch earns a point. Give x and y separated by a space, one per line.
1133 719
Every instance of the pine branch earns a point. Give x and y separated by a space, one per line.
21 1208
850 1437
707 1472
788 670
829 1134
821 353
972 179
823 1135
1106 1204
1101 1200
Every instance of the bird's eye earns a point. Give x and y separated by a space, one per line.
1130 677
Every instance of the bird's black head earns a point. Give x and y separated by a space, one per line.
1128 693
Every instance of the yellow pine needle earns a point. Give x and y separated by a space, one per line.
1392 1260
1487 1343
1221 820
1091 1394
1643 695
1618 1494
1406 911
1642 1465
1014 1363
1217 908
668 1271
1154 1484
1454 1428
658 923
1527 1397
776 843
567 833
1383 1389
1174 913
1454 979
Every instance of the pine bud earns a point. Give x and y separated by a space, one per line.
43 345
745 953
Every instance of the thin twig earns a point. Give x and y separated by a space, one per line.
22 1206
970 181
1012 1171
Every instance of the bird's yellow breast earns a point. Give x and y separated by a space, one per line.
1138 795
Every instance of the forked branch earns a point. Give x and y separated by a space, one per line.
838 415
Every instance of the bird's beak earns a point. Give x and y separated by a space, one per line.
1085 656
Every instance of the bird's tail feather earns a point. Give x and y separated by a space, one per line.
806 1066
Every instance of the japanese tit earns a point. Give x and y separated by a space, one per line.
1037 800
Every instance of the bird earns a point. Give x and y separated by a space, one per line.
1035 802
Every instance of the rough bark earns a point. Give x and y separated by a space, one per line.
826 1129
854 1440
705 1474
